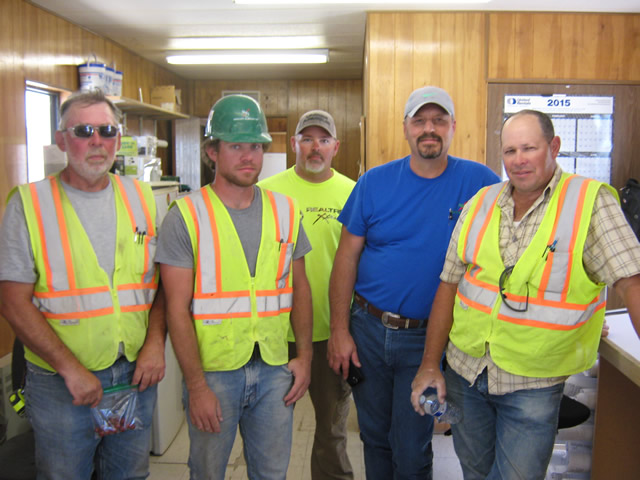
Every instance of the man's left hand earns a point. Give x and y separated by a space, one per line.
301 369
150 365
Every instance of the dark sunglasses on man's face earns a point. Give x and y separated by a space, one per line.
87 131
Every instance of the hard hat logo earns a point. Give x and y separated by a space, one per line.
238 119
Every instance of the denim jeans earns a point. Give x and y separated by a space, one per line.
503 437
251 397
397 441
66 444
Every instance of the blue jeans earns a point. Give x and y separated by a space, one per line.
397 441
66 444
506 437
250 397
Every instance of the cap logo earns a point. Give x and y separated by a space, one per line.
428 95
245 113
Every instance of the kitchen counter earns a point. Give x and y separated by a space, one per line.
616 441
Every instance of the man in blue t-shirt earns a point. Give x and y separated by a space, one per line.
396 228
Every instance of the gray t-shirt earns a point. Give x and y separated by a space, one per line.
174 245
97 213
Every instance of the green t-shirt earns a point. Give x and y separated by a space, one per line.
321 203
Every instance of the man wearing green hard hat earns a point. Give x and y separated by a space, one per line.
231 258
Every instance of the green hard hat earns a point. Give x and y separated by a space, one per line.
237 118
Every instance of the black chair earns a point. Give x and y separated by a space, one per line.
572 413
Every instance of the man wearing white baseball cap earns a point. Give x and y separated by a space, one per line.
396 227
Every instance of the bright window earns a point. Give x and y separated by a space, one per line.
41 116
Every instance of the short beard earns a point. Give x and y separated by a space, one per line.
311 168
429 154
239 181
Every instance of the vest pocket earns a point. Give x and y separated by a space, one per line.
145 253
216 342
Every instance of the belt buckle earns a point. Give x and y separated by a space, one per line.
385 319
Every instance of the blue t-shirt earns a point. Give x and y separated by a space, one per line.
407 221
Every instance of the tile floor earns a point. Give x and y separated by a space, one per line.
173 464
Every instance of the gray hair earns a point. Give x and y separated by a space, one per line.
86 99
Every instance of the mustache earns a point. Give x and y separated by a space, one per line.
432 136
247 164
97 151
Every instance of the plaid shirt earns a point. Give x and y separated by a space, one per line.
611 252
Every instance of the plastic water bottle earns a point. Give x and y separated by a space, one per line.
443 412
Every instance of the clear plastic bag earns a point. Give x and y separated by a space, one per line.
116 412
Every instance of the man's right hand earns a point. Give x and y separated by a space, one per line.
84 386
204 409
341 350
425 378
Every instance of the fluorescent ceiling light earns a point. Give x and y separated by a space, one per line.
251 58
247 43
347 2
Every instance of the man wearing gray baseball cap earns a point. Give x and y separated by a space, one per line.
396 227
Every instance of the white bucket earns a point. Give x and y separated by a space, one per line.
116 83
92 76
109 72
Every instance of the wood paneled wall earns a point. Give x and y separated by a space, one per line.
405 51
41 47
290 99
463 52
552 46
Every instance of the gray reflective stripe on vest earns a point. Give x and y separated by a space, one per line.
216 306
282 207
139 218
75 303
273 303
552 315
134 297
52 236
206 246
485 209
480 295
564 234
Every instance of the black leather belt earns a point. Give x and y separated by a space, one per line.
388 319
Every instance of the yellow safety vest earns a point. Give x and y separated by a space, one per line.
231 310
558 334
72 291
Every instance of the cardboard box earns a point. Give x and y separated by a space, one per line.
167 97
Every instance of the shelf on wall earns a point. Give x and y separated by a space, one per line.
134 107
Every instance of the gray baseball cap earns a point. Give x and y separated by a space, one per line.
423 96
317 118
